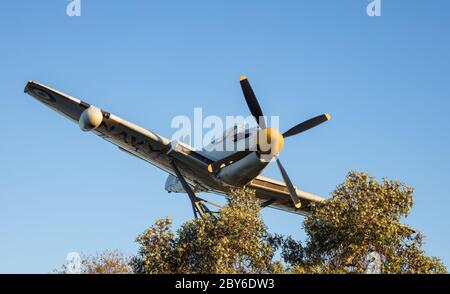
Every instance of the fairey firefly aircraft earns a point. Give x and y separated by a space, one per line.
192 171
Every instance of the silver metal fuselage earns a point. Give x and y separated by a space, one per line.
234 140
235 175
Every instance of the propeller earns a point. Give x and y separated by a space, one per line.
236 156
306 125
273 137
289 185
252 102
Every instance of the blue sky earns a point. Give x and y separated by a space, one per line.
385 81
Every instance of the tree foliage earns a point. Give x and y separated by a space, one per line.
106 262
363 218
357 230
233 241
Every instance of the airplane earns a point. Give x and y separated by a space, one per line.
193 171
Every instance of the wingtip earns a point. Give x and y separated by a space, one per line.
242 78
328 116
26 89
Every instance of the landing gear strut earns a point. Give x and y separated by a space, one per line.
198 204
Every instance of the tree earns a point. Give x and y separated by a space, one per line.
358 226
233 241
106 262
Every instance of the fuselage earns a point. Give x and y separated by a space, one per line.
233 140
235 175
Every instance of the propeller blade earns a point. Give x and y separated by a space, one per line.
216 165
252 102
306 125
289 185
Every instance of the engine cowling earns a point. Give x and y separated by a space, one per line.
90 119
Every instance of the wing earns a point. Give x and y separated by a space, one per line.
275 194
129 137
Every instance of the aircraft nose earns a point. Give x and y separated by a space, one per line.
270 141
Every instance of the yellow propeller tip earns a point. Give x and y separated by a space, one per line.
210 169
328 116
298 205
241 78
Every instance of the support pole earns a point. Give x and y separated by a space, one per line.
197 204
